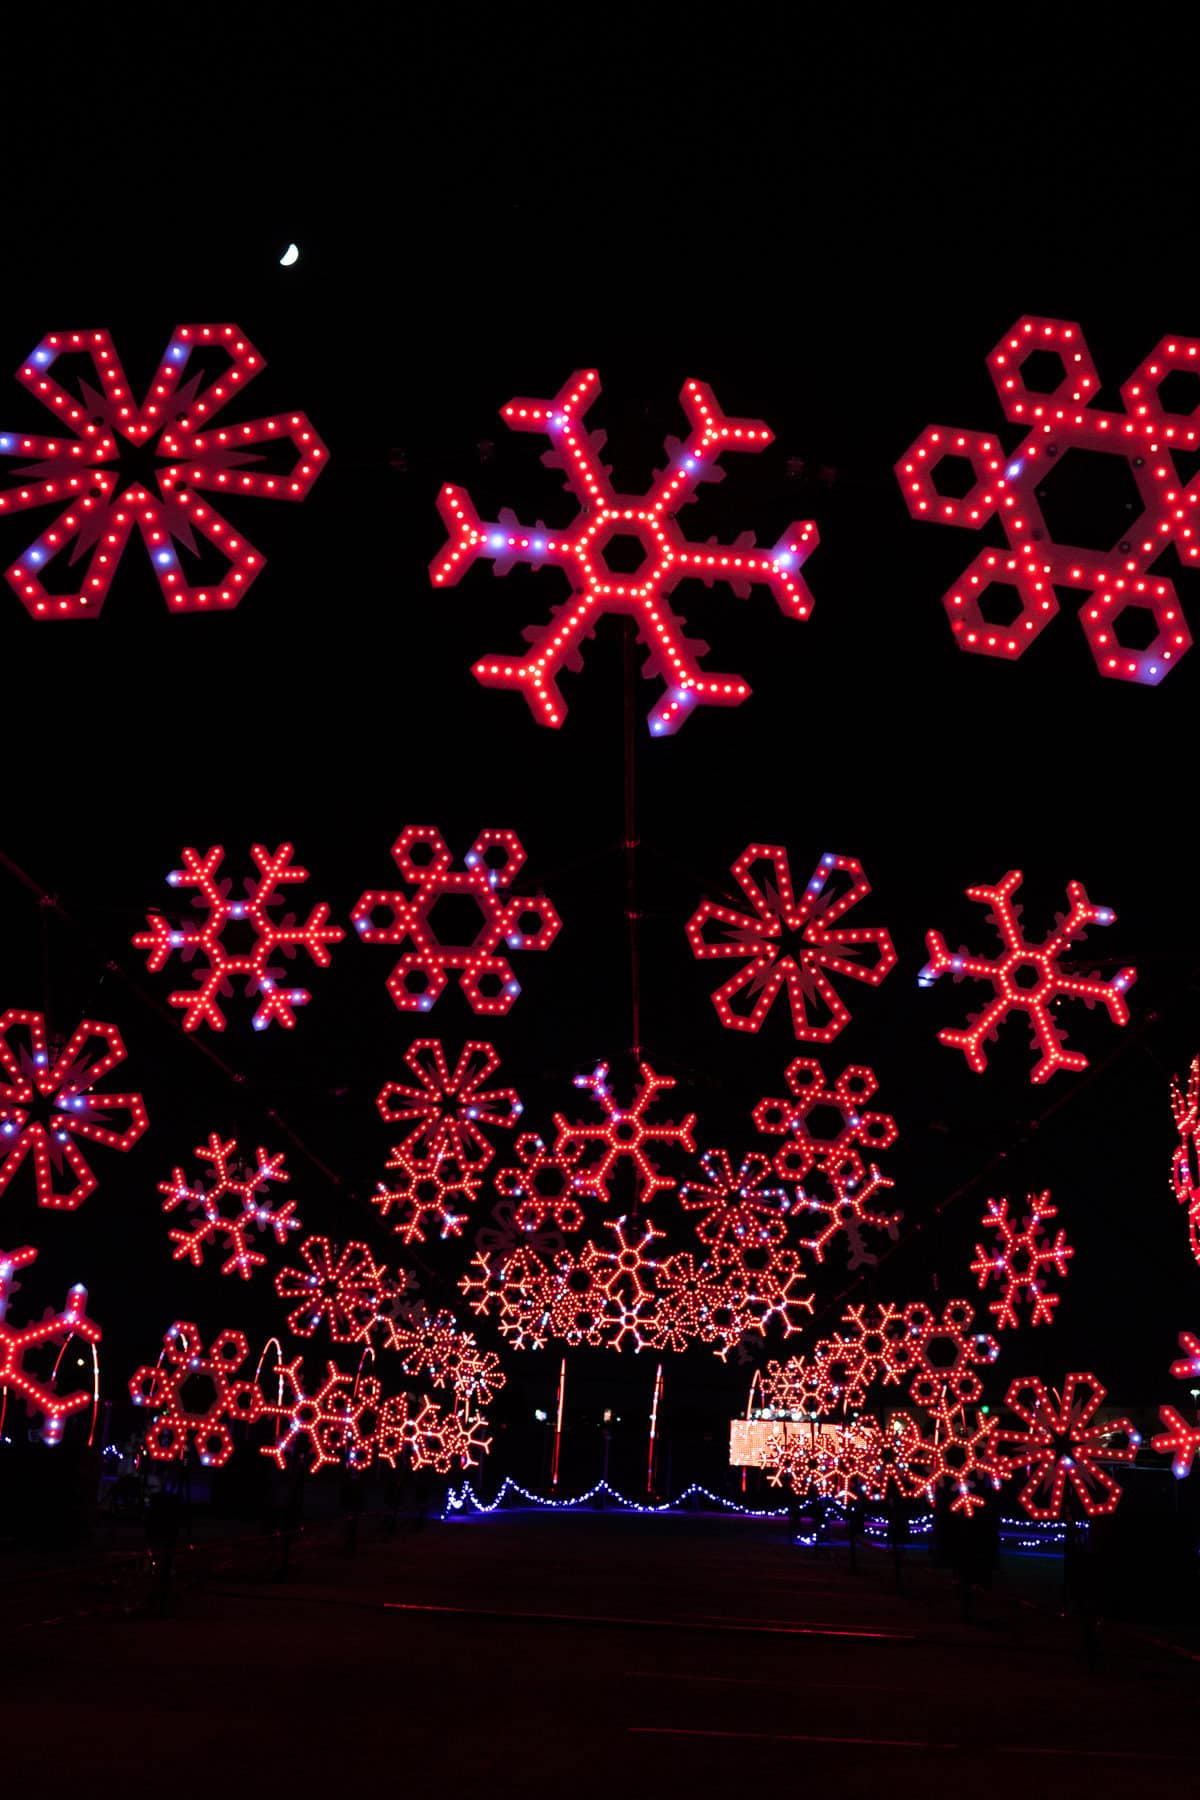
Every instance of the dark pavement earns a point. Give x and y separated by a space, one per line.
603 1655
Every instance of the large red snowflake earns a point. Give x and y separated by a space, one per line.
824 1126
49 1100
100 507
499 919
447 1110
343 1288
588 553
1028 978
1185 1163
1024 1259
22 1349
736 1206
789 944
623 1135
196 1395
234 1206
1015 487
273 937
1062 1445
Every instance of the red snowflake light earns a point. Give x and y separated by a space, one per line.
429 1437
646 521
338 1422
1023 1260
847 1208
195 1395
273 937
874 1346
773 1282
849 1128
623 1135
233 1207
22 1349
438 1348
73 471
696 1302
1181 1440
1060 1447
947 1352
49 1100
343 1289
515 921
425 1192
543 1186
1013 488
736 1206
964 1450
448 1110
788 944
894 1456
1185 1163
1027 977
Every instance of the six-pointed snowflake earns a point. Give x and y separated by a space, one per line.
543 1186
1024 1259
1061 1445
789 944
447 1110
344 1289
1060 421
424 1193
22 1349
946 1354
49 1099
623 1135
273 937
1185 1163
742 1206
233 1206
592 554
500 920
847 1207
99 509
196 1395
1028 978
849 1127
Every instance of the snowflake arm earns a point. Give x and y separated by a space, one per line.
19 1363
30 1072
1057 1446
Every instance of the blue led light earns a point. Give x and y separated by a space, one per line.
1014 469
6 443
163 558
42 357
496 541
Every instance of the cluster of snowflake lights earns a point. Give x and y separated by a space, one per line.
583 551
232 1206
274 936
99 509
789 944
1028 978
1011 486
502 920
1023 1260
50 1100
1060 1445
23 1349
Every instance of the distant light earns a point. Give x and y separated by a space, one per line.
291 255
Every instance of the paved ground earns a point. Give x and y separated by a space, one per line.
599 1655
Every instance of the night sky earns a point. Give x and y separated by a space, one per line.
833 233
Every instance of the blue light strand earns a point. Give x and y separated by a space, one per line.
459 1498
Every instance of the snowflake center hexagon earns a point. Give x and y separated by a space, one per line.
623 551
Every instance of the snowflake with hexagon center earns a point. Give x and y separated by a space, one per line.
824 1126
50 1099
847 1207
196 1395
1130 617
543 1186
448 1110
588 554
100 509
789 945
1024 1259
1028 978
425 1192
22 1349
946 1354
623 1135
272 937
233 1206
422 921
1060 1445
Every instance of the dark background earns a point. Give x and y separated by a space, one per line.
832 227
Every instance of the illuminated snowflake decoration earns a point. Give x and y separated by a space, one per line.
543 1186
623 1135
1181 1439
448 1110
50 1100
1185 1163
586 553
501 920
342 1289
274 937
1023 1261
848 1127
947 1353
1060 1446
336 1423
1028 978
790 945
964 1448
234 1206
874 1346
1014 486
196 1395
736 1206
425 1193
894 1457
23 1349
849 1208
99 509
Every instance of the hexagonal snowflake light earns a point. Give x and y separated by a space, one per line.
23 1347
813 1100
1024 1259
500 920
196 1395
584 552
1027 977
99 508
232 1206
49 1099
791 945
1060 421
273 937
